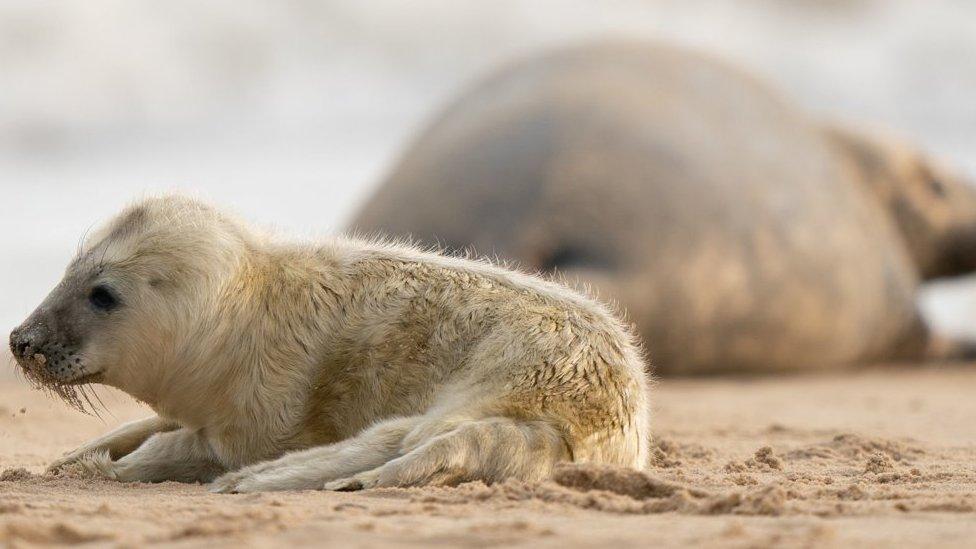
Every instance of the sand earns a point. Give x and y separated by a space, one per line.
879 457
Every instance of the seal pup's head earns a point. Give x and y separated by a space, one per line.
933 208
125 301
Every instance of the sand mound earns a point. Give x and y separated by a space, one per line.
625 482
856 447
613 490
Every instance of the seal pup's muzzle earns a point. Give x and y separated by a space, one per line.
50 362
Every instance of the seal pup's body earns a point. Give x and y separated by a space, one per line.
739 232
373 364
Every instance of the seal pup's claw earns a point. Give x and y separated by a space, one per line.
351 484
222 489
227 483
98 464
57 465
74 457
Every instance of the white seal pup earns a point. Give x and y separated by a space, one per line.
342 364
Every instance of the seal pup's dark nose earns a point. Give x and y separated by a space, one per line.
25 341
18 343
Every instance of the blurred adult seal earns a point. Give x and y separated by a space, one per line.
339 364
737 231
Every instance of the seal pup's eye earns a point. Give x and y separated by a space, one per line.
102 298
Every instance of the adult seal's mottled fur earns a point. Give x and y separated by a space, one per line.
341 364
736 231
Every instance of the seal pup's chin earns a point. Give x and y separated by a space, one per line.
94 377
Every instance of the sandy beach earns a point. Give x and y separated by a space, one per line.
877 457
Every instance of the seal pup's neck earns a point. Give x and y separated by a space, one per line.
244 362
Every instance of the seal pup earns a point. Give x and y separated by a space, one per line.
738 232
342 364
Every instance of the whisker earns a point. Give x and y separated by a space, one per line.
94 392
80 397
84 237
83 389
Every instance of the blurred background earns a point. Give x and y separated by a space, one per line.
289 111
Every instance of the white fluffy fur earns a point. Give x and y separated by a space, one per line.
346 363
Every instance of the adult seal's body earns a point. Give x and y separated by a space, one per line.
344 364
737 232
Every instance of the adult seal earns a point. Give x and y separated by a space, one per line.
339 364
738 232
